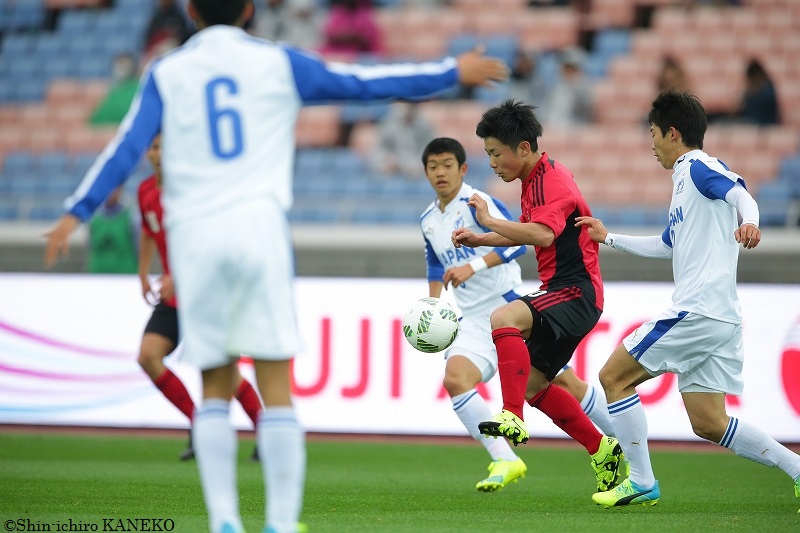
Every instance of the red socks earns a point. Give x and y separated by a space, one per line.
172 388
565 412
249 399
514 367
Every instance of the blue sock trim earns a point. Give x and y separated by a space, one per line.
624 405
730 433
592 399
461 403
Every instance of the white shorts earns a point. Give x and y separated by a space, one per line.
474 339
234 284
706 354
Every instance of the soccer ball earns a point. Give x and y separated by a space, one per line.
430 325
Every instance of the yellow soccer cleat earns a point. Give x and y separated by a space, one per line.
606 464
506 424
627 493
501 473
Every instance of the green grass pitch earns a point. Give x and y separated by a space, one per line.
52 478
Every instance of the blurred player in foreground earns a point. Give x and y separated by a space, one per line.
483 279
161 334
226 104
535 335
699 337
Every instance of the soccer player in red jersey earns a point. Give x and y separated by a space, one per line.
161 334
536 335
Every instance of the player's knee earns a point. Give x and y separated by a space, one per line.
149 361
456 383
608 381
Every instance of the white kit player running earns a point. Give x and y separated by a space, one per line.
226 104
482 279
699 337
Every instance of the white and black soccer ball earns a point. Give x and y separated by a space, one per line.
430 325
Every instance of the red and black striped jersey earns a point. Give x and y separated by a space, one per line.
551 197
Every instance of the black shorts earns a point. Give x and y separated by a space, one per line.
164 322
559 324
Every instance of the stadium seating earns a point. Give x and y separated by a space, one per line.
55 68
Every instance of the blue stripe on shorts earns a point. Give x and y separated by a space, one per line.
661 328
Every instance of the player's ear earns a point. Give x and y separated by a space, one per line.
247 12
193 14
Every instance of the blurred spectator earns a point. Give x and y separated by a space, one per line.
113 238
570 100
525 84
351 29
298 22
671 76
124 78
759 102
402 136
169 23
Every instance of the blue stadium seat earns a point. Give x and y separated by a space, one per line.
19 163
76 22
505 47
462 42
53 163
774 203
32 90
612 42
353 112
16 45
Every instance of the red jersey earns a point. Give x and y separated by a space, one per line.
152 222
551 197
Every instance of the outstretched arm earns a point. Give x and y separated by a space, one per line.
651 246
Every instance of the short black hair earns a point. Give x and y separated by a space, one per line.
444 145
511 123
682 111
225 12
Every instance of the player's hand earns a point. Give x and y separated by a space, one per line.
597 231
148 293
482 215
465 237
457 275
58 239
748 235
476 69
167 288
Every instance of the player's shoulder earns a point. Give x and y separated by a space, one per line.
427 211
147 186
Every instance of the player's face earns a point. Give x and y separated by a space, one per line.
662 147
154 155
506 162
445 175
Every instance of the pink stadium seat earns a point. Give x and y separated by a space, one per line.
611 14
43 140
362 138
318 126
86 140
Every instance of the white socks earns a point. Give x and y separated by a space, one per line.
472 409
630 427
215 444
753 443
282 448
595 406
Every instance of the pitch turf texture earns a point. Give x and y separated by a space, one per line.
356 486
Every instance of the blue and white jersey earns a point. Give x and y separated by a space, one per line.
226 104
700 231
438 227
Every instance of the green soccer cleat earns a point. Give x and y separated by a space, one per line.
606 463
506 424
797 489
627 493
501 473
